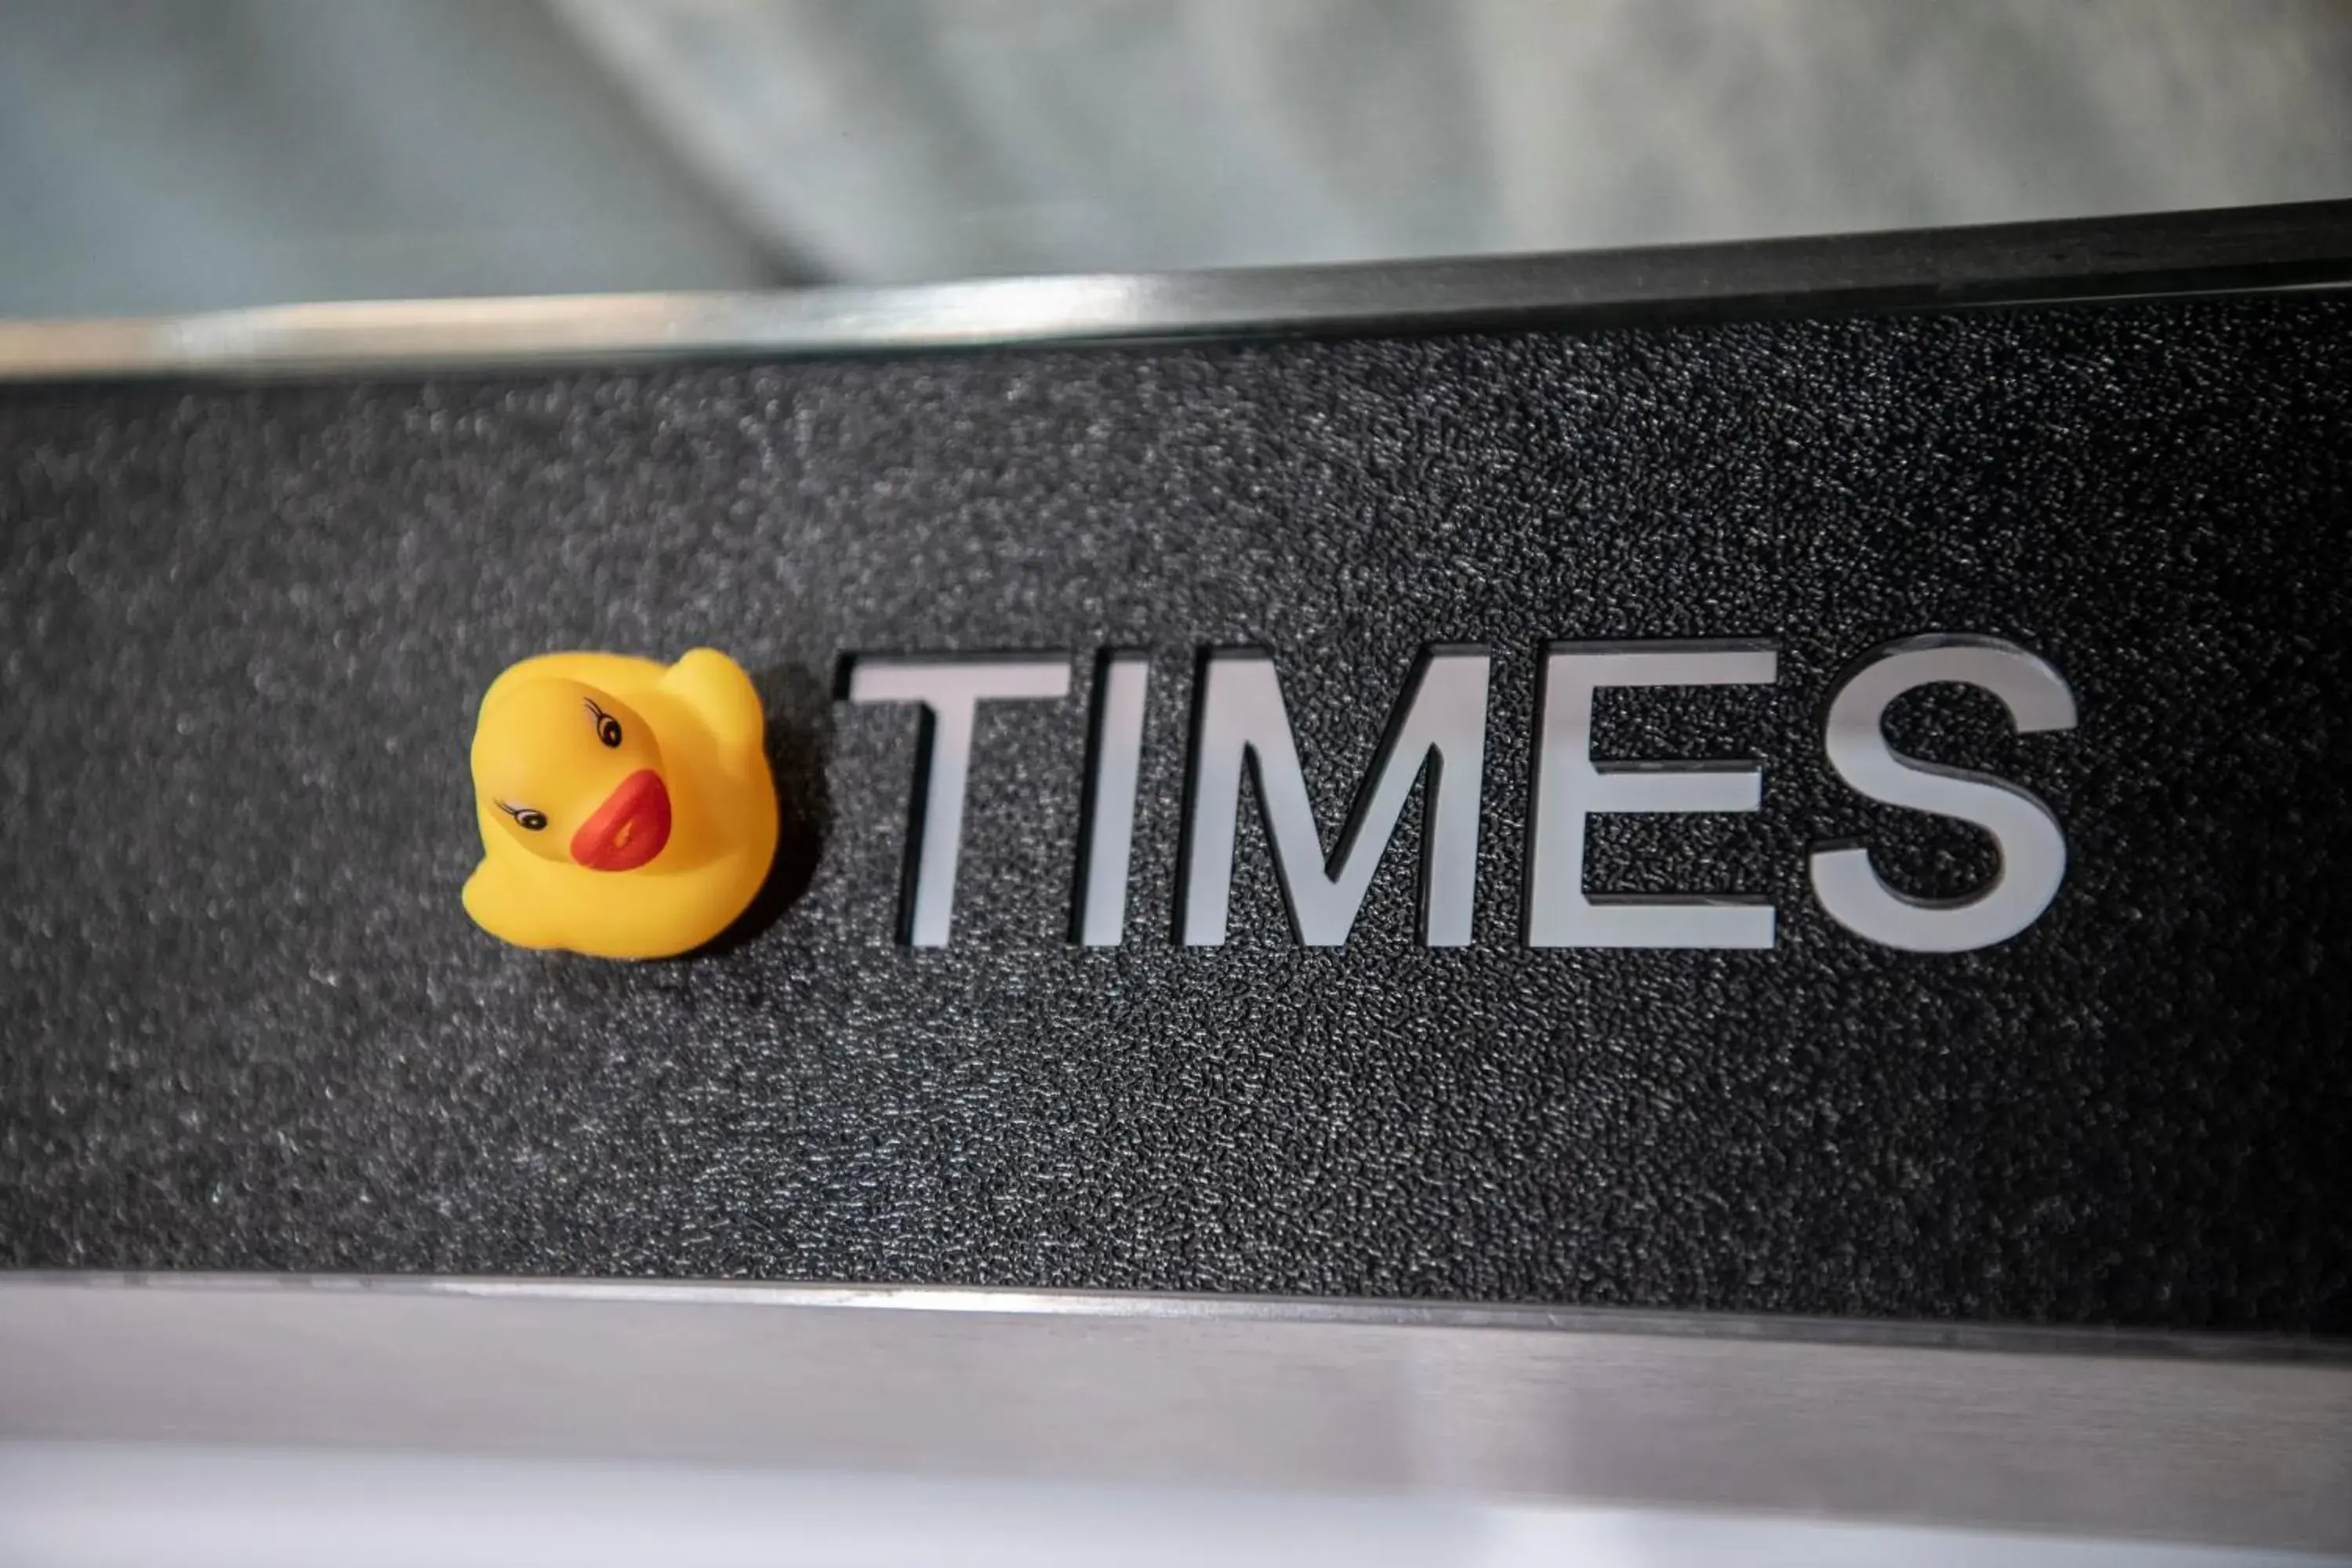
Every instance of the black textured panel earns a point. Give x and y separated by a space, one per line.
247 1026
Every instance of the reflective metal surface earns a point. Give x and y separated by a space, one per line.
2235 1441
117 1505
2234 248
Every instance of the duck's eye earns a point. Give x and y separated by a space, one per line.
608 729
525 818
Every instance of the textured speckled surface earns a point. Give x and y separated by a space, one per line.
247 1026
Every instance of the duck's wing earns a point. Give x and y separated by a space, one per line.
717 688
511 909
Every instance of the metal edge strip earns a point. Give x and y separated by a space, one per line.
2224 250
2142 1437
1922 1334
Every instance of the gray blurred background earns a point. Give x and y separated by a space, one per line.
165 155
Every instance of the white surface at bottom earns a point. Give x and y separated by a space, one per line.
91 1504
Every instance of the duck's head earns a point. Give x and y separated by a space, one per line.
571 774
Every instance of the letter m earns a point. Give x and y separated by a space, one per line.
1438 727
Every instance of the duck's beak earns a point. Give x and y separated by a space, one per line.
629 828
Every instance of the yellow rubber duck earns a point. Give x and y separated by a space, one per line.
627 806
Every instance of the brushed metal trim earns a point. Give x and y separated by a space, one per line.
2177 1438
2228 249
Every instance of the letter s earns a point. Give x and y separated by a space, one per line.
2031 847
